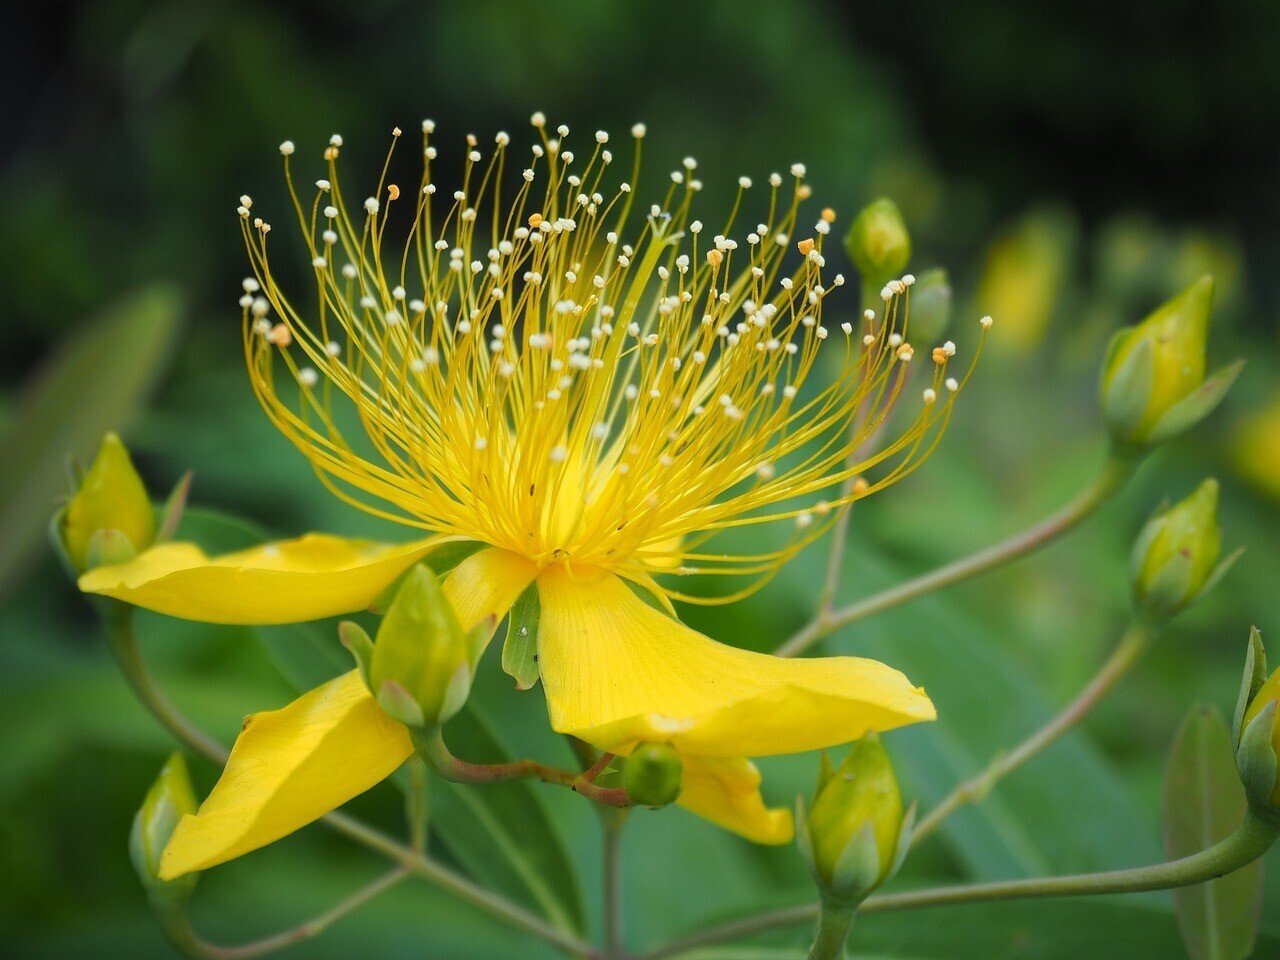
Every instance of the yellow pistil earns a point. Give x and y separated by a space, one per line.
574 380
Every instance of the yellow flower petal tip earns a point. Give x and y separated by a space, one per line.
617 673
290 581
288 768
726 791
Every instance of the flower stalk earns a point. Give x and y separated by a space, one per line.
1109 481
613 822
1133 644
431 747
835 920
1253 838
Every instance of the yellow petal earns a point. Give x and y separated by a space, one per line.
486 584
617 673
288 768
726 791
290 581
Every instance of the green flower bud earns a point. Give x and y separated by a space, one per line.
421 666
652 775
166 803
930 306
878 242
1153 378
110 517
856 832
1256 732
1175 558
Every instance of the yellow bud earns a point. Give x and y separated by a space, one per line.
420 668
862 792
166 803
111 498
878 242
1153 380
652 775
1177 554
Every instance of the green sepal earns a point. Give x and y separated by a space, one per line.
1150 530
857 869
59 544
826 770
520 647
169 799
1169 590
903 845
174 506
1255 675
804 842
398 703
1256 759
1127 388
359 644
107 547
1194 407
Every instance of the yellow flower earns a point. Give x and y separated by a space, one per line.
592 392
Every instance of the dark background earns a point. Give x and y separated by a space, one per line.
1072 165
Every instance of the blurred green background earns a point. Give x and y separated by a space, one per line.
1072 167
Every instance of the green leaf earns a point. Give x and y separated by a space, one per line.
1203 803
94 382
520 648
500 831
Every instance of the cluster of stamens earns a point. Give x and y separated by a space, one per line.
577 381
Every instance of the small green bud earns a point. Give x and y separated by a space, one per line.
1175 558
1260 746
111 499
421 666
878 242
652 775
166 803
1153 378
856 831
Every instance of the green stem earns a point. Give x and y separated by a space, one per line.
612 877
123 641
416 805
834 922
1247 843
464 889
117 618
191 945
1135 642
432 748
1113 476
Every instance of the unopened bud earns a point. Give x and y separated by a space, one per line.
878 242
166 803
1256 733
652 775
856 833
421 667
109 518
1175 558
1153 378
